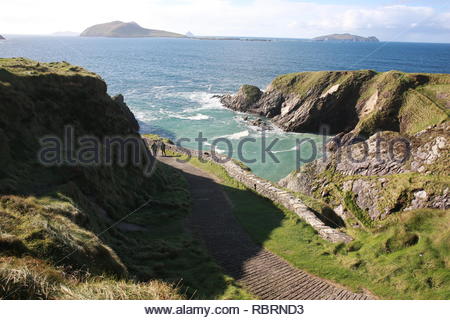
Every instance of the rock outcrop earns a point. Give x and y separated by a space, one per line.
1 37
346 37
244 100
38 200
351 103
119 29
384 174
391 139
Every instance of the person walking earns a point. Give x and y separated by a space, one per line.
162 146
154 148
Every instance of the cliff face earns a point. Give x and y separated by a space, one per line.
369 180
50 216
349 102
364 109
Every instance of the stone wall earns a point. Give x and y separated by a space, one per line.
270 191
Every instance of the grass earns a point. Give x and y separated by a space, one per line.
251 93
26 67
360 214
75 223
167 251
120 265
406 257
156 137
45 255
419 112
406 102
28 278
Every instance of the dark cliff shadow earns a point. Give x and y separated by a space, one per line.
234 223
220 225
329 217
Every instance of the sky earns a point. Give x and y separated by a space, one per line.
389 20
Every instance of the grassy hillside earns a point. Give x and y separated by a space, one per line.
404 257
89 232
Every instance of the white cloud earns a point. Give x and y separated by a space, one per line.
282 18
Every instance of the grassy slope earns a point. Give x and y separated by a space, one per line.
58 237
167 251
37 237
387 260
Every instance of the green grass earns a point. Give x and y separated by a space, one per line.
301 83
76 223
360 214
406 257
251 93
27 67
419 112
28 278
118 264
156 137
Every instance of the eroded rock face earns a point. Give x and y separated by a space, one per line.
352 103
119 99
386 173
306 112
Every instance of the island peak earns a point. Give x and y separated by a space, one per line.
346 37
119 29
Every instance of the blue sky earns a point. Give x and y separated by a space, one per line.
390 20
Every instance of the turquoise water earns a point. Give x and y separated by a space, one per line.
169 83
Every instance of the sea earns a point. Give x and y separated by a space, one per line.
170 84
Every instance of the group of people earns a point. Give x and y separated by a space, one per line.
159 144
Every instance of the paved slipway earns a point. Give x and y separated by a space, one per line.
261 272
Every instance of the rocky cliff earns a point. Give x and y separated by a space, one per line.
355 103
377 177
374 117
58 222
119 29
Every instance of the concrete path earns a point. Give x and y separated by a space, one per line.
261 272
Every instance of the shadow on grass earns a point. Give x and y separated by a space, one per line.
212 220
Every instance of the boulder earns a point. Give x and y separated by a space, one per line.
246 97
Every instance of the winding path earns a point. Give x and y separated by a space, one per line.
263 273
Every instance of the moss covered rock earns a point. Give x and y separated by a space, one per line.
384 174
246 97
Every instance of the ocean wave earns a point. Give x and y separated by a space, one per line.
289 150
196 117
202 100
235 136
145 116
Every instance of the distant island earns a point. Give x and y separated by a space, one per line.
65 34
345 37
2 38
119 29
231 39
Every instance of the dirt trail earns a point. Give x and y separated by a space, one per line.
263 273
